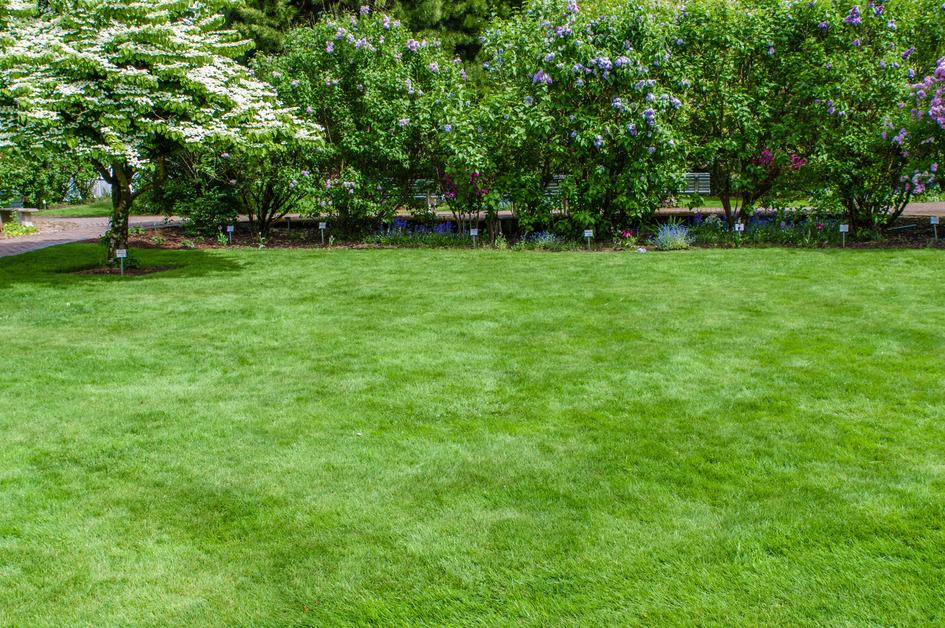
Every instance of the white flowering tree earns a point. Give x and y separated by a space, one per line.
124 82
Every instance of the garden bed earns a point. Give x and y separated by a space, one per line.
914 233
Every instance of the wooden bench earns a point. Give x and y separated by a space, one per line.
22 215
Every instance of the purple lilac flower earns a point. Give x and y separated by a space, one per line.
598 141
413 45
434 67
853 18
856 43
908 53
541 78
823 26
365 9
604 63
632 129
549 57
891 24
447 128
572 7
404 122
330 47
651 149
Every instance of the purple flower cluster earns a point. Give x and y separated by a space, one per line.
541 78
853 18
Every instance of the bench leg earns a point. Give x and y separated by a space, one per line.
24 219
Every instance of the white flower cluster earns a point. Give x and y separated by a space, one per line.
111 78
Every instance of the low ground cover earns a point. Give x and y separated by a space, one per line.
16 230
313 437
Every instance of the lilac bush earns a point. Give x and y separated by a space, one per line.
587 97
386 98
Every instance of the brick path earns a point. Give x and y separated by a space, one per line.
55 231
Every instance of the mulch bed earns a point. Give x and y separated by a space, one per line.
301 236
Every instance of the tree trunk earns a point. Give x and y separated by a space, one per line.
122 197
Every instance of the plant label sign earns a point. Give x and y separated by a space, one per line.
230 228
323 225
474 232
933 220
588 233
739 227
844 228
121 253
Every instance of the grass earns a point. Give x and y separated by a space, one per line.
99 209
453 437
713 202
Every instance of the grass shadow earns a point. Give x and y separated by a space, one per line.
65 265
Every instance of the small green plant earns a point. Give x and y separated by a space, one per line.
626 240
222 239
543 241
158 240
137 231
187 244
16 230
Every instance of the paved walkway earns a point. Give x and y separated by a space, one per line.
913 209
55 231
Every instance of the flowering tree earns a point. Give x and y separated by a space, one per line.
925 136
745 65
122 83
385 99
593 103
859 81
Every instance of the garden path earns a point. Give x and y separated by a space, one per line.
55 231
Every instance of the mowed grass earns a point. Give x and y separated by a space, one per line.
473 437
99 209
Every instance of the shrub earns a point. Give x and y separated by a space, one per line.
672 237
586 96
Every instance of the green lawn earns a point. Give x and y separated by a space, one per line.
453 437
98 209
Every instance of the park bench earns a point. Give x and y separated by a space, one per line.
23 215
697 183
